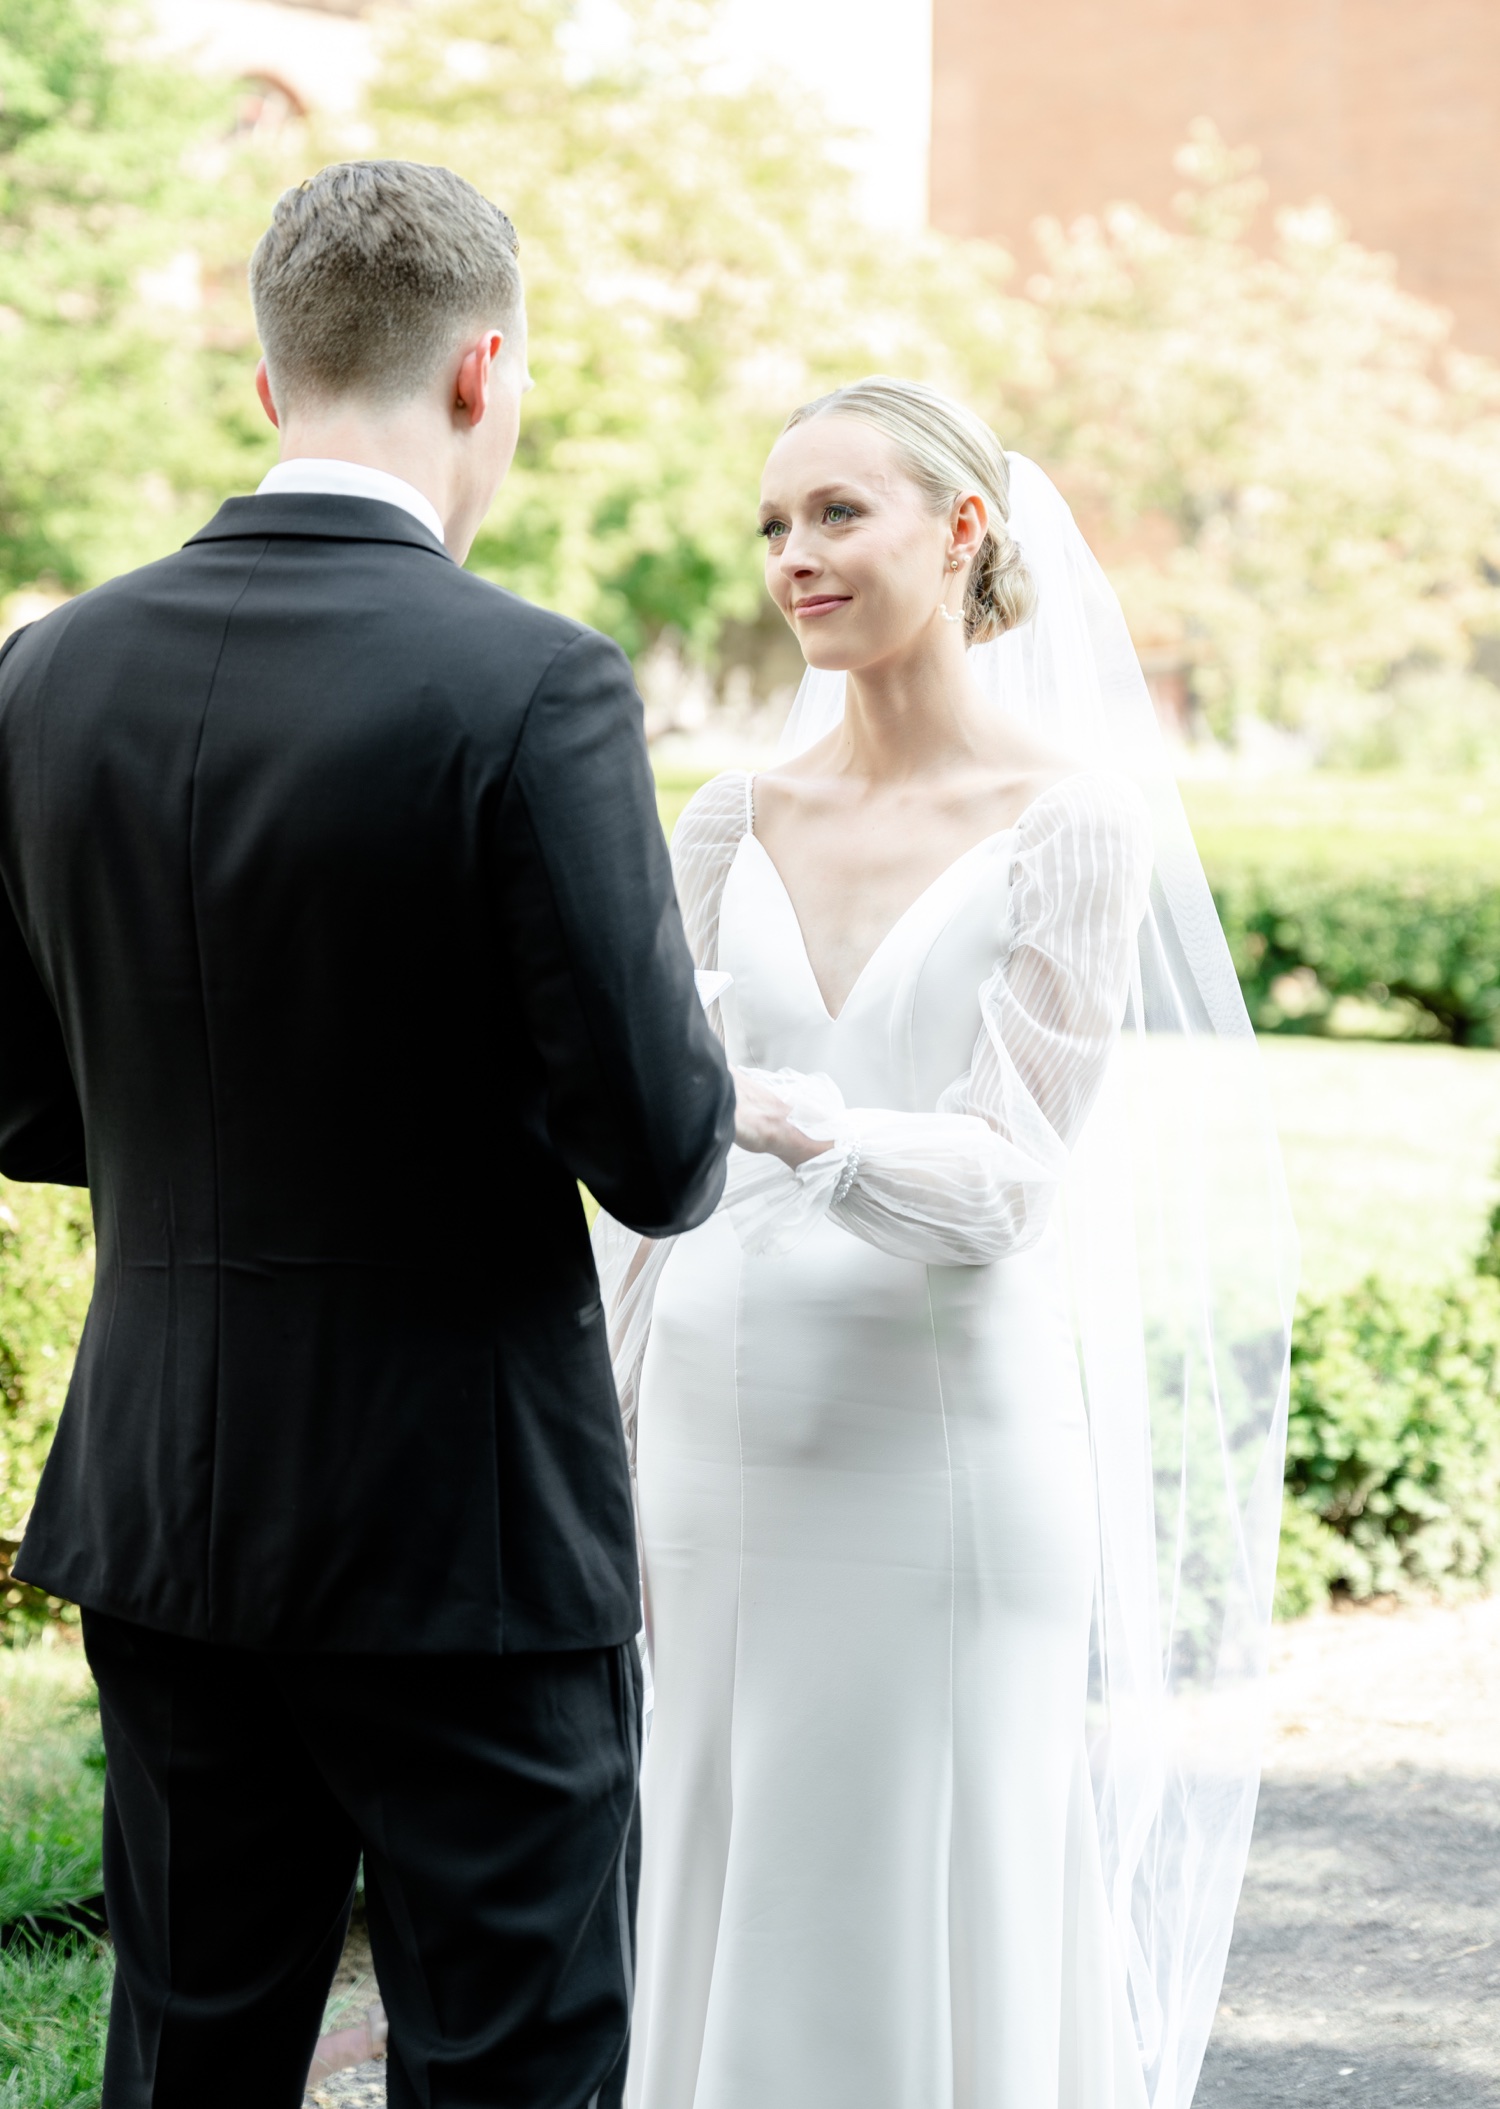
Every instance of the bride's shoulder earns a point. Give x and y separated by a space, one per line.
717 812
1092 801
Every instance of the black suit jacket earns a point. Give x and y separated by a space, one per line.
337 943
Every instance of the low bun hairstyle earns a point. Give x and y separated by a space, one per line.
947 451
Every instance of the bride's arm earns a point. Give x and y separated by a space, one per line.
975 1179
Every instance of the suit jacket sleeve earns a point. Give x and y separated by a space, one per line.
635 1093
41 1123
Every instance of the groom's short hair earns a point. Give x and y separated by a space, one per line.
370 273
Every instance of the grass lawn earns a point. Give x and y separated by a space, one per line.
1357 823
54 1999
54 2006
51 1780
1391 1153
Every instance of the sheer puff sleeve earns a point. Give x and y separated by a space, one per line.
974 1180
711 828
703 848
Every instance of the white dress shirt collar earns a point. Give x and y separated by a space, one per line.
351 479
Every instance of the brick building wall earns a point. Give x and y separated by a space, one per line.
1390 108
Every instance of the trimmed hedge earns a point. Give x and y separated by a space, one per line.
1393 1445
1428 937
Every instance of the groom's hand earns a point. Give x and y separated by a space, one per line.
761 1124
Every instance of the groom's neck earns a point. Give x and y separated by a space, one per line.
409 442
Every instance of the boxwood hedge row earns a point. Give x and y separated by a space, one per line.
1393 1444
1422 941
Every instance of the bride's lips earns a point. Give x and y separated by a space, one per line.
821 603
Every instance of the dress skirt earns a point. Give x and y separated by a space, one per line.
871 1875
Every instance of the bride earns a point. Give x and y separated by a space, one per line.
958 1426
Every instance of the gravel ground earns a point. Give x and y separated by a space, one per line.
360 2087
1366 1961
1365 1969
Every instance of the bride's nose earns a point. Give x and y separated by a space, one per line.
797 559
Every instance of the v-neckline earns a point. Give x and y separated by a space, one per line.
917 901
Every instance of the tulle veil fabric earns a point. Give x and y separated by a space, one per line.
1182 1268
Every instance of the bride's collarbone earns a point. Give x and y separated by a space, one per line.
854 870
869 851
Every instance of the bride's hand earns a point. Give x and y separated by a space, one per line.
761 1124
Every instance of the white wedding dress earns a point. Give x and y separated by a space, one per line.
872 1873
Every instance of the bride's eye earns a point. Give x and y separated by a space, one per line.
838 515
772 530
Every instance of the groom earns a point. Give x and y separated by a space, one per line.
337 945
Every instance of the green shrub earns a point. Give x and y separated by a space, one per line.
1309 1562
1428 938
1393 1446
46 1271
54 2011
1488 1260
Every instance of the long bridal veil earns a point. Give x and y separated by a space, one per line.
1182 1260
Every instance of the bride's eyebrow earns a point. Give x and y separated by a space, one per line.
820 496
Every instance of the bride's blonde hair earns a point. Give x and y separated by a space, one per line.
947 451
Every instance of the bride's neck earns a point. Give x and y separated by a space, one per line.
914 715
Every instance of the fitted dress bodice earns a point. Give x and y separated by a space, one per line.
908 1025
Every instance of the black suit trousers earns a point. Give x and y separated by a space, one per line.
493 1799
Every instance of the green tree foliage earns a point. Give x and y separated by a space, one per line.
695 268
1488 1262
1302 474
122 357
1296 476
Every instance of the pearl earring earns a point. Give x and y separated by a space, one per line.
943 605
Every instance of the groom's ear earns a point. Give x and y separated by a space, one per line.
263 390
471 389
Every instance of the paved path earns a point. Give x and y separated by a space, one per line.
1365 1972
1366 1962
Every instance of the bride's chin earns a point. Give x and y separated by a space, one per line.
826 656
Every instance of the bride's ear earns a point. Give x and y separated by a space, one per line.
969 525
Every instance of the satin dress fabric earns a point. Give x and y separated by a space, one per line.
871 1872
